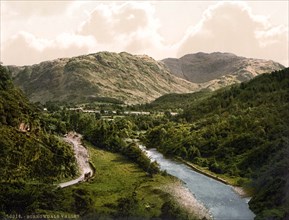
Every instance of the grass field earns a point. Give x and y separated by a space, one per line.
120 188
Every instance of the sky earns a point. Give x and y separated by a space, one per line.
36 31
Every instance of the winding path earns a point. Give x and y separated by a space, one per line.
82 157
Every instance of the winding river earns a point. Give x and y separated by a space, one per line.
220 199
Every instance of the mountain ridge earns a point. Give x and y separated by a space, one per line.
218 69
133 79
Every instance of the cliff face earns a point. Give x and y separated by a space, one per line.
129 78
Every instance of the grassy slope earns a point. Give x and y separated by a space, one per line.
117 178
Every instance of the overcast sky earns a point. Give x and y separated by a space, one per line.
35 31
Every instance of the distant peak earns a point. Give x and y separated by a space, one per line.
224 53
203 54
203 67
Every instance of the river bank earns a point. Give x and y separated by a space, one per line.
187 201
119 178
239 190
203 172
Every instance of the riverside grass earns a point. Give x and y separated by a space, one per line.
117 178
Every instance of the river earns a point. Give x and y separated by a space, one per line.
220 199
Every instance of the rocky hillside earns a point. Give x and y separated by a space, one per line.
217 69
125 77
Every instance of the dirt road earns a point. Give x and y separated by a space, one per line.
82 158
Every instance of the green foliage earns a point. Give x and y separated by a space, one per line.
31 159
271 200
144 122
175 101
110 135
239 132
52 106
25 157
106 134
26 198
126 207
83 203
171 210
5 80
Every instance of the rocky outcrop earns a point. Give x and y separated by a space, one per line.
24 127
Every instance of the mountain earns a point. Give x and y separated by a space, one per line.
122 77
125 77
215 70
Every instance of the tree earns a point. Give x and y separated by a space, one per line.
97 116
126 206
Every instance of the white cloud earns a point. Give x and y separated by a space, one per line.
128 26
232 27
27 49
80 27
33 8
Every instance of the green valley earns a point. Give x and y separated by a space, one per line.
120 189
144 110
34 159
238 133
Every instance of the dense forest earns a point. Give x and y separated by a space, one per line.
240 132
